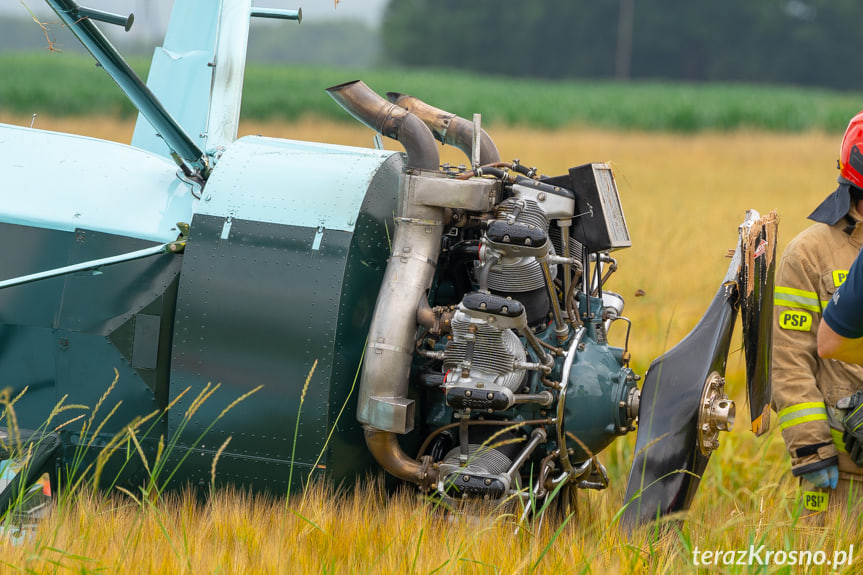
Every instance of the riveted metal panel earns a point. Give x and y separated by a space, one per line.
27 361
258 304
295 183
31 250
86 367
258 308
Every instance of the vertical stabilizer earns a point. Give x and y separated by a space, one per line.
182 71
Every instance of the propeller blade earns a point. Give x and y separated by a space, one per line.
756 314
683 405
668 464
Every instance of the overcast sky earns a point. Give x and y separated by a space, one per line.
152 15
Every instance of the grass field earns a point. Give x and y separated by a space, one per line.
684 196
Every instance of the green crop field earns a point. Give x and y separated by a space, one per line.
65 84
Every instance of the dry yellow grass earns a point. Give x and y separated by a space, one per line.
684 197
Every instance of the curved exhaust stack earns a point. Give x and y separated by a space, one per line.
448 128
391 120
384 408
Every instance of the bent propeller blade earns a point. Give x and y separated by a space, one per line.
668 464
677 430
756 314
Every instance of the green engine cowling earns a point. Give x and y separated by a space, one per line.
281 272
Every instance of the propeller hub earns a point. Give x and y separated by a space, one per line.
716 413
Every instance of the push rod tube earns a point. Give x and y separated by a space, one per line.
448 128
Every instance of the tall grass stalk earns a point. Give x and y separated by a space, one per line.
156 484
297 425
348 398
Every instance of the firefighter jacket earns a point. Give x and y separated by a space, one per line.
805 386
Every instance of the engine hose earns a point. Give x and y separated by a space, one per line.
515 167
486 170
521 169
443 444
490 171
466 250
461 258
506 176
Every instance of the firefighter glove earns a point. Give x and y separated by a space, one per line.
853 424
826 477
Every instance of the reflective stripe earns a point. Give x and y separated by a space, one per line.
800 406
856 409
795 291
802 413
791 297
837 439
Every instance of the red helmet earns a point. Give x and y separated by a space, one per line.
851 152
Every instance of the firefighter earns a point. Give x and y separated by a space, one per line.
807 388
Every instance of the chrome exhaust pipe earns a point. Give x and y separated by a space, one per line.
383 407
386 450
388 119
448 128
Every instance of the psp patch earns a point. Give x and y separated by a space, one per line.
815 500
796 320
839 277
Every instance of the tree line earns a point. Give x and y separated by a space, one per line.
803 42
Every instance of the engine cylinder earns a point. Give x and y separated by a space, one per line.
487 353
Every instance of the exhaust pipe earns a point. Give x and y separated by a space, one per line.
388 453
384 408
388 119
448 128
